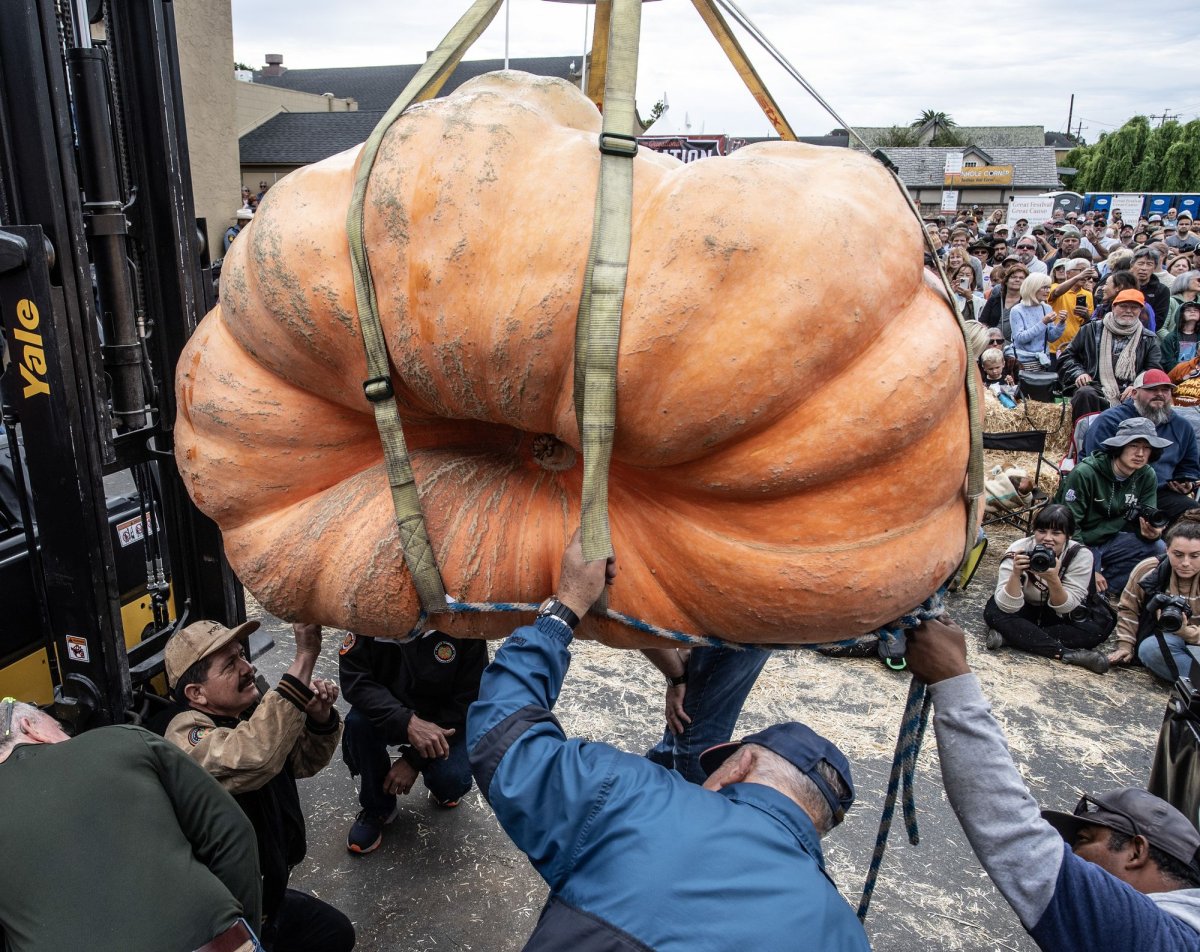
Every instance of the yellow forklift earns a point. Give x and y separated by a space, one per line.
103 277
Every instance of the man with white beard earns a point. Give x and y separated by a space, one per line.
1178 468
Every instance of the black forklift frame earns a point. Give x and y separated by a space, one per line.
126 260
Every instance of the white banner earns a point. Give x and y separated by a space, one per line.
954 163
950 200
1130 206
1035 209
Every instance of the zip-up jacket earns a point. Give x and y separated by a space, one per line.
257 757
435 677
1082 355
636 857
1099 500
1180 460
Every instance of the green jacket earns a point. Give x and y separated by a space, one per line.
115 841
1099 501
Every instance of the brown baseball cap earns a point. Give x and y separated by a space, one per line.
198 640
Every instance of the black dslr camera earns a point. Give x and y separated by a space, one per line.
1156 517
1041 558
1173 610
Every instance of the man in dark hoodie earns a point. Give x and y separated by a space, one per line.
256 746
1125 878
411 695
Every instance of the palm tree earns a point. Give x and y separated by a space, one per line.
940 120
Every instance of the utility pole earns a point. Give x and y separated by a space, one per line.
1165 117
1079 130
1070 113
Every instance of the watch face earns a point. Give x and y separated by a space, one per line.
545 606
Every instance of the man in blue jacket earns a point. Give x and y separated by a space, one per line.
636 857
1178 468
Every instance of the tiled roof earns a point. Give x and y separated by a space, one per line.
1059 140
926 167
986 137
298 138
376 87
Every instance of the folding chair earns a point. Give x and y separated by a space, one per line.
1023 441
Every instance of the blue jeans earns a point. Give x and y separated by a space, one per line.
719 680
447 778
1150 654
1116 558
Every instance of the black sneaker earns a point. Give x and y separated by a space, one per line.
995 640
1092 660
367 832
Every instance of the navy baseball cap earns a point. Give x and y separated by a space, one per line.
803 748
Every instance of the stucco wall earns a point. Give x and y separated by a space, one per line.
205 36
256 103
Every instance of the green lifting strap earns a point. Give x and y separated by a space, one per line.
598 325
410 520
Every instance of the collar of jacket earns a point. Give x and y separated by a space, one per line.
783 810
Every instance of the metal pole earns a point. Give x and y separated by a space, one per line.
507 19
583 73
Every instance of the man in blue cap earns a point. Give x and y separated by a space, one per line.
636 857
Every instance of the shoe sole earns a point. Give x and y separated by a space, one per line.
362 851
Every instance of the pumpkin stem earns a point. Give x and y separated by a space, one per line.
552 453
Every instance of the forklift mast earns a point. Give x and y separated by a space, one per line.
103 277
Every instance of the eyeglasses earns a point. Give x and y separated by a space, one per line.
11 704
1026 247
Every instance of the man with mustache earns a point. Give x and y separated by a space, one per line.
257 745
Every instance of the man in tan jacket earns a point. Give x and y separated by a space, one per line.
257 746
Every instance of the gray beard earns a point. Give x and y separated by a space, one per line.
1157 416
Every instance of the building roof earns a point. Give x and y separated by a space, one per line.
926 167
986 137
1060 140
376 87
840 141
298 138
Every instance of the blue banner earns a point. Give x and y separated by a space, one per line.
1093 202
1159 204
1189 204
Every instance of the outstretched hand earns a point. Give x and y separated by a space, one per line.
937 650
580 583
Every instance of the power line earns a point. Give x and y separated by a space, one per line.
1165 116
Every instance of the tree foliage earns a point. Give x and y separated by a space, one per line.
1137 158
899 137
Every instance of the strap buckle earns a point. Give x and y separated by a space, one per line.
378 389
614 143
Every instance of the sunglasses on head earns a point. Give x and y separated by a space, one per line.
1091 805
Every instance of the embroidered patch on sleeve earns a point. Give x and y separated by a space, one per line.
1070 496
197 734
444 652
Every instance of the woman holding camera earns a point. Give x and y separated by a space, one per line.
1041 603
1163 594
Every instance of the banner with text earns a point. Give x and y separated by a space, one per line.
980 176
1035 209
1129 205
685 148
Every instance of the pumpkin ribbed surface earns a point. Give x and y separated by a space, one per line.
792 429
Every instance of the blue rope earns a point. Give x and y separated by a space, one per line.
904 765
891 637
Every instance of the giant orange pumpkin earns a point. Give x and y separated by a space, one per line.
792 431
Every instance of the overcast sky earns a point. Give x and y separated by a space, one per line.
878 63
